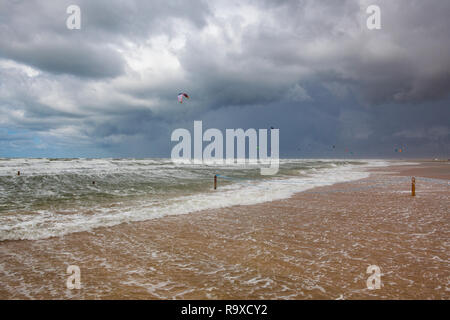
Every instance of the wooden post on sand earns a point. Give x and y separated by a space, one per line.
215 181
413 186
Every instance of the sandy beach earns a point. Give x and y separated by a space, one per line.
314 245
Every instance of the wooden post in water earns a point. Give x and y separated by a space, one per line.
215 181
18 173
413 186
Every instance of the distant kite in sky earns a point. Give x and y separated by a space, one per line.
181 95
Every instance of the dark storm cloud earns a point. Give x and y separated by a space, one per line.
328 42
35 32
311 68
81 60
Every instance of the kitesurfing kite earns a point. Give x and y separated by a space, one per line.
181 95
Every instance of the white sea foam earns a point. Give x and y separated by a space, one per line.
45 223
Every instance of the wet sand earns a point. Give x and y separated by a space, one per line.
315 245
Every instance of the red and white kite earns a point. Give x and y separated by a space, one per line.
181 95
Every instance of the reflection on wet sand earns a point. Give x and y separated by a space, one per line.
315 245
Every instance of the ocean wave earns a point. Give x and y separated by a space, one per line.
56 199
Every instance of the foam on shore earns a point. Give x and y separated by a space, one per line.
50 222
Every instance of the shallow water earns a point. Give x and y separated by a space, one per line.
54 197
314 245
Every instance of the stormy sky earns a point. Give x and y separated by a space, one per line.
310 68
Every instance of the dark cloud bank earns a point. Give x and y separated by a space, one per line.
310 68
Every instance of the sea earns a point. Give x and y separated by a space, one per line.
56 197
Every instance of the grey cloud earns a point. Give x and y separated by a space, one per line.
35 32
403 62
310 68
68 58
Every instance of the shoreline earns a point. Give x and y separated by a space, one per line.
238 193
426 169
316 244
